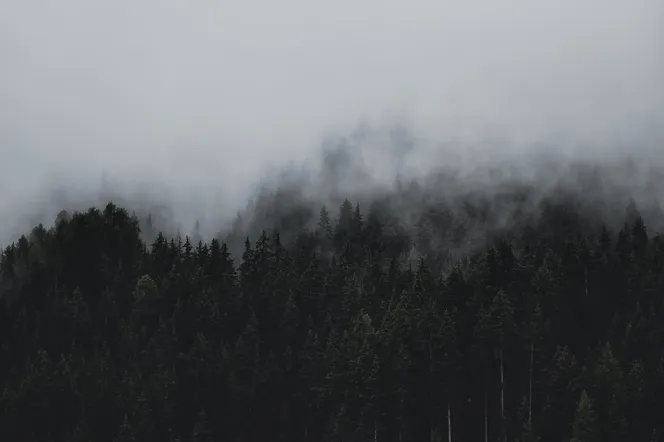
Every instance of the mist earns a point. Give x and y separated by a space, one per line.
199 110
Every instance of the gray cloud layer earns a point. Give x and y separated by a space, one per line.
190 102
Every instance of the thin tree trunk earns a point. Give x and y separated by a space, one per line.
375 431
502 396
306 426
449 422
431 424
486 416
401 420
502 387
530 385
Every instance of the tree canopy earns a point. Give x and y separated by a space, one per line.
350 331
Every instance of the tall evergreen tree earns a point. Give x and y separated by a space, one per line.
584 428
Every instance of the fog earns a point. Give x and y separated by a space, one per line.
194 105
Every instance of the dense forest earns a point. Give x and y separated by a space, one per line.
354 328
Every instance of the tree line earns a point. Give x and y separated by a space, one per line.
351 331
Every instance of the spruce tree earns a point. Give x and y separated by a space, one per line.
584 427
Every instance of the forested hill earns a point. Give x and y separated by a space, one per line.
349 331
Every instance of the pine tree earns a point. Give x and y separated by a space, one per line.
125 432
201 431
502 329
584 428
324 225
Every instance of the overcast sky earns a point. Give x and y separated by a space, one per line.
202 94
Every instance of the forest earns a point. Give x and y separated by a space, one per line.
351 327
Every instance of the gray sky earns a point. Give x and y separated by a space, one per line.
197 97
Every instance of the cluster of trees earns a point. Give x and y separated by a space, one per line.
547 334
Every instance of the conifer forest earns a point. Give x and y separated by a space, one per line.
332 221
345 323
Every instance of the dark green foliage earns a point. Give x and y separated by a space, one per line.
352 331
584 428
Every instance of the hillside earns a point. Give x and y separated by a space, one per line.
359 328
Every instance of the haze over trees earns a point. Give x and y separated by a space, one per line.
357 322
472 258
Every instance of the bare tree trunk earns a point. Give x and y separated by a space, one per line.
432 428
502 387
486 416
502 396
530 385
375 431
306 426
449 422
401 421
